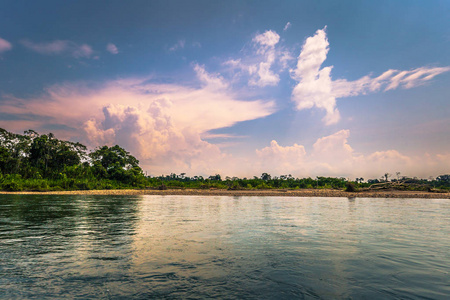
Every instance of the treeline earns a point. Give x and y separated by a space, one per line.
42 162
266 181
35 162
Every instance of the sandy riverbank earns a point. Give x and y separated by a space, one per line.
288 193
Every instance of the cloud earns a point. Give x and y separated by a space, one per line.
4 45
111 48
262 73
179 45
262 62
287 26
333 156
389 80
315 87
269 38
59 47
161 124
214 82
279 160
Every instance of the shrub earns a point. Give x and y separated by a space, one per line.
11 186
350 187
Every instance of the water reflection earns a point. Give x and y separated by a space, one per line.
228 247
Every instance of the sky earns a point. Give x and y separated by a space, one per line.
308 88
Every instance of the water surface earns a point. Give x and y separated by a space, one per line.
141 247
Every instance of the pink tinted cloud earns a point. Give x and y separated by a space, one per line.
333 156
58 47
111 48
4 45
161 124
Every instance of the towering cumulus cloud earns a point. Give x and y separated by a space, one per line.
315 87
161 124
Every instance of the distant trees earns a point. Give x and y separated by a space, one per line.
443 180
42 162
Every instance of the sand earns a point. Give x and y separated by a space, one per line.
259 193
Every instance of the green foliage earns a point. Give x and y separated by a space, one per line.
42 162
37 162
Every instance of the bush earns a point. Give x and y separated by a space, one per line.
350 187
11 186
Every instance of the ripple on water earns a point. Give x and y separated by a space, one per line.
223 247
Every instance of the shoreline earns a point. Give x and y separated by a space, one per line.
260 193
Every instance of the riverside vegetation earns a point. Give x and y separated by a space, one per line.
35 162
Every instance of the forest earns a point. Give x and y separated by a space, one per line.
41 162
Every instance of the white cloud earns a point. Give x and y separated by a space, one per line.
269 38
263 61
111 48
287 26
389 80
413 78
262 73
214 82
60 47
285 59
4 45
315 88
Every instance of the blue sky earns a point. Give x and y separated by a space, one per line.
308 88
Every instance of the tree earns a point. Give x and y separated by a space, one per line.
443 180
50 156
108 157
216 177
117 164
265 176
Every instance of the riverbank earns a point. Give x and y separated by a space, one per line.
260 193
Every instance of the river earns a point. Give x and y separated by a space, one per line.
178 247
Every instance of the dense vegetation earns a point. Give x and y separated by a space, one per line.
37 162
42 162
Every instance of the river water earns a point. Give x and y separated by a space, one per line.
172 247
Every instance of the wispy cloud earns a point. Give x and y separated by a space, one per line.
211 81
262 62
111 48
315 88
287 26
179 45
59 47
4 45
